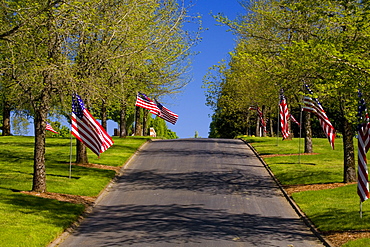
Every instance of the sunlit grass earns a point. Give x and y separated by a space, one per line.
32 221
331 209
324 166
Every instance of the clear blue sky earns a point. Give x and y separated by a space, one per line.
216 43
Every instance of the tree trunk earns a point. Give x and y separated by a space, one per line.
39 175
258 129
6 119
349 154
81 149
122 121
271 127
104 115
81 153
138 122
307 132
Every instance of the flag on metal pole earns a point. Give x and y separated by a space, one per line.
50 128
294 120
363 146
143 101
313 105
284 116
166 114
87 129
260 115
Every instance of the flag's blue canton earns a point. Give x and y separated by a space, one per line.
361 109
160 106
361 106
282 97
144 96
310 91
77 106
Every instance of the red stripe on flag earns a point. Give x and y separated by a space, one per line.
88 130
311 105
363 147
284 115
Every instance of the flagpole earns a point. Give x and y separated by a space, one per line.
70 156
300 124
360 209
70 145
278 123
300 136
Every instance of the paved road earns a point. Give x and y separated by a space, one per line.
194 192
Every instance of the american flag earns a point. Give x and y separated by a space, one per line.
166 114
50 128
294 120
313 105
284 116
363 147
86 129
143 101
260 115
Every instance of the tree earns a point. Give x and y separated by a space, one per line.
104 50
320 43
37 66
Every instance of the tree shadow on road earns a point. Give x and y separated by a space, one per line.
153 224
234 181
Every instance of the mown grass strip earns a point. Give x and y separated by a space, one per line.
27 220
324 166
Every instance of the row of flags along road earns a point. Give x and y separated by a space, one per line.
156 108
89 131
313 105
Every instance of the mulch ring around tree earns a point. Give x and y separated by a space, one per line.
76 199
275 155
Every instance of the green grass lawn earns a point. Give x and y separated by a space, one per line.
330 210
27 220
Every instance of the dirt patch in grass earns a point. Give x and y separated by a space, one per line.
340 238
275 155
290 189
86 200
336 238
113 168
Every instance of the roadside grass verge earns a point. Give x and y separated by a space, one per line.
324 166
331 210
32 221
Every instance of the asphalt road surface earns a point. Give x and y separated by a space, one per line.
193 192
